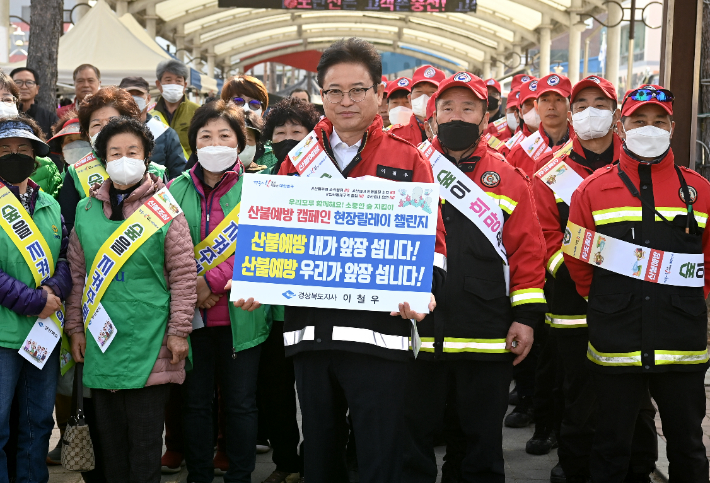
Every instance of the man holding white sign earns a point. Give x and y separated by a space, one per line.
494 292
636 244
355 359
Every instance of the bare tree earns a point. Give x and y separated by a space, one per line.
46 20
704 107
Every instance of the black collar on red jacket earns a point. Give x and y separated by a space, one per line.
370 140
467 164
661 168
578 155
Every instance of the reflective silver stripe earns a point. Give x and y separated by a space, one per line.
296 336
564 321
440 261
366 336
481 346
613 359
681 357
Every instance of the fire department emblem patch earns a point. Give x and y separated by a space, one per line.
553 80
490 82
490 179
429 73
533 86
524 79
462 77
403 83
594 79
693 195
568 237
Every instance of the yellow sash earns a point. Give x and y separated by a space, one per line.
23 232
218 245
90 171
150 217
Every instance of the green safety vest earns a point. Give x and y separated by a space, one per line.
137 300
47 217
249 329
153 168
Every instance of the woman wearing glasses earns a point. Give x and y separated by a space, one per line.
247 92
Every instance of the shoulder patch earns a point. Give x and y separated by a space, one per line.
490 179
395 174
693 195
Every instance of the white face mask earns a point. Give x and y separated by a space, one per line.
217 159
75 150
512 121
92 139
532 118
257 113
173 92
400 115
8 110
419 105
141 102
126 171
247 154
592 123
648 141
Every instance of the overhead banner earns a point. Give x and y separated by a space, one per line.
364 244
461 6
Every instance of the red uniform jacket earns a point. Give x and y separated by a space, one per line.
520 159
636 325
553 213
499 129
474 306
383 155
411 132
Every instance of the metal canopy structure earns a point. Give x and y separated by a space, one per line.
484 42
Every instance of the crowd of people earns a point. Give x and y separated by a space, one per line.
591 335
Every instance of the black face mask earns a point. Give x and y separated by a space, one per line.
15 167
282 148
458 135
493 103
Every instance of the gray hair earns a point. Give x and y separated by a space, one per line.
174 67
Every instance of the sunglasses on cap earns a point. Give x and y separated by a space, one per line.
254 105
661 95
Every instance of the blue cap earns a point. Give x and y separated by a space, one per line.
18 129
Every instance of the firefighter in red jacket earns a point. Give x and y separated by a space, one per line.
646 289
424 84
550 112
505 127
593 115
483 324
528 120
495 94
349 359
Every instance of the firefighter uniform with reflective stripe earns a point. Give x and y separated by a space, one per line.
464 339
645 336
412 132
499 129
520 159
355 360
567 318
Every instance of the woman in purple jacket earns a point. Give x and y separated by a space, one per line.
34 279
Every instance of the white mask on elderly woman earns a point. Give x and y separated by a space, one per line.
217 159
126 171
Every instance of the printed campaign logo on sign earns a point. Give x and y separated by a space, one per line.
335 242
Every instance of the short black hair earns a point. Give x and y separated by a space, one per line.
295 91
397 95
351 51
123 125
31 71
290 109
218 110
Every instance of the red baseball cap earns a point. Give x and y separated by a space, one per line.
69 127
400 84
520 79
528 91
629 105
460 79
554 83
494 84
427 73
595 81
513 99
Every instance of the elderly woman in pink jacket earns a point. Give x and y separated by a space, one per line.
130 310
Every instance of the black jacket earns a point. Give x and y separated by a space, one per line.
44 118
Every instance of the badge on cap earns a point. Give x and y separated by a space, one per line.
429 73
517 95
553 80
403 83
533 86
524 78
462 77
490 82
594 79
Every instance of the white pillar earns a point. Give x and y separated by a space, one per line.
500 63
486 65
5 31
210 61
545 44
196 61
150 20
575 43
121 7
180 42
613 45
